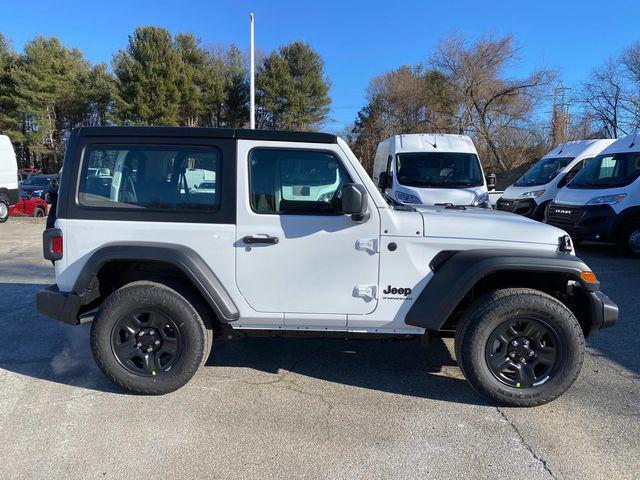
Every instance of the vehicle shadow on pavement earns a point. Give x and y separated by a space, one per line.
402 367
40 347
620 280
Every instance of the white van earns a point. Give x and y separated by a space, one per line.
534 190
602 202
431 169
8 177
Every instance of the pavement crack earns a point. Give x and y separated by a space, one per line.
524 443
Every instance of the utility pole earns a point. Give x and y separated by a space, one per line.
560 116
252 84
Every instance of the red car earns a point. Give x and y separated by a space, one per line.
33 206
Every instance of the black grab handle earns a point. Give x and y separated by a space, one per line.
268 240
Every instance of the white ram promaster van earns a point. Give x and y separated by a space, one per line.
431 169
293 238
8 177
602 202
533 191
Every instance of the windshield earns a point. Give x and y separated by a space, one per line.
543 171
439 169
609 170
39 181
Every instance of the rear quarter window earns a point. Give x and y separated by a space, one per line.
151 178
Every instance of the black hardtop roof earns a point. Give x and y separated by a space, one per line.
201 132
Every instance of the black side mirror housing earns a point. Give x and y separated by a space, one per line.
354 201
491 181
384 181
566 179
47 198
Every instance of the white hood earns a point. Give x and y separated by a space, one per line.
455 196
582 196
513 193
483 224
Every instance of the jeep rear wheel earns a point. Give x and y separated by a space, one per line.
149 338
520 347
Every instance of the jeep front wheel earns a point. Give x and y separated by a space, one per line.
148 338
520 347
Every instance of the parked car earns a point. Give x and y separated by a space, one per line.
430 169
602 202
8 177
39 185
29 205
533 191
159 273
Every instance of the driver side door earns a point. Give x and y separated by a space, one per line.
296 253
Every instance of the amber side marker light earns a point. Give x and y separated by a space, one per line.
588 277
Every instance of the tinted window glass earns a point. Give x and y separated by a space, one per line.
543 171
296 181
151 177
607 171
439 170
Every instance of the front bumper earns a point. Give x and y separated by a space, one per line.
526 207
604 313
588 222
63 306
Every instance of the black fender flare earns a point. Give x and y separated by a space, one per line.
180 256
456 275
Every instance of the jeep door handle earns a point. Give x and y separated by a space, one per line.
250 240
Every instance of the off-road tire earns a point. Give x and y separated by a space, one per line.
4 200
623 240
487 314
39 212
170 302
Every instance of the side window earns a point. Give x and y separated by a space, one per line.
144 177
284 181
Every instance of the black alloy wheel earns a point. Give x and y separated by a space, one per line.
146 342
523 352
150 337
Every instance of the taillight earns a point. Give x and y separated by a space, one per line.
56 245
52 244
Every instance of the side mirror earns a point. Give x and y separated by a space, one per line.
384 181
354 201
47 198
491 181
566 179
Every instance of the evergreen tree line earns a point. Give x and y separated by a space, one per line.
159 79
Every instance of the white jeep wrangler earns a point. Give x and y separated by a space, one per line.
289 235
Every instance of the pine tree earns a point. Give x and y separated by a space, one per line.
148 79
292 92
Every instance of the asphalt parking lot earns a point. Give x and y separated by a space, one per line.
281 408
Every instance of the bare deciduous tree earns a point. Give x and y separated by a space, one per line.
605 96
491 106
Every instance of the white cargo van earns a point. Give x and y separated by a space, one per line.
532 192
8 177
431 169
602 202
